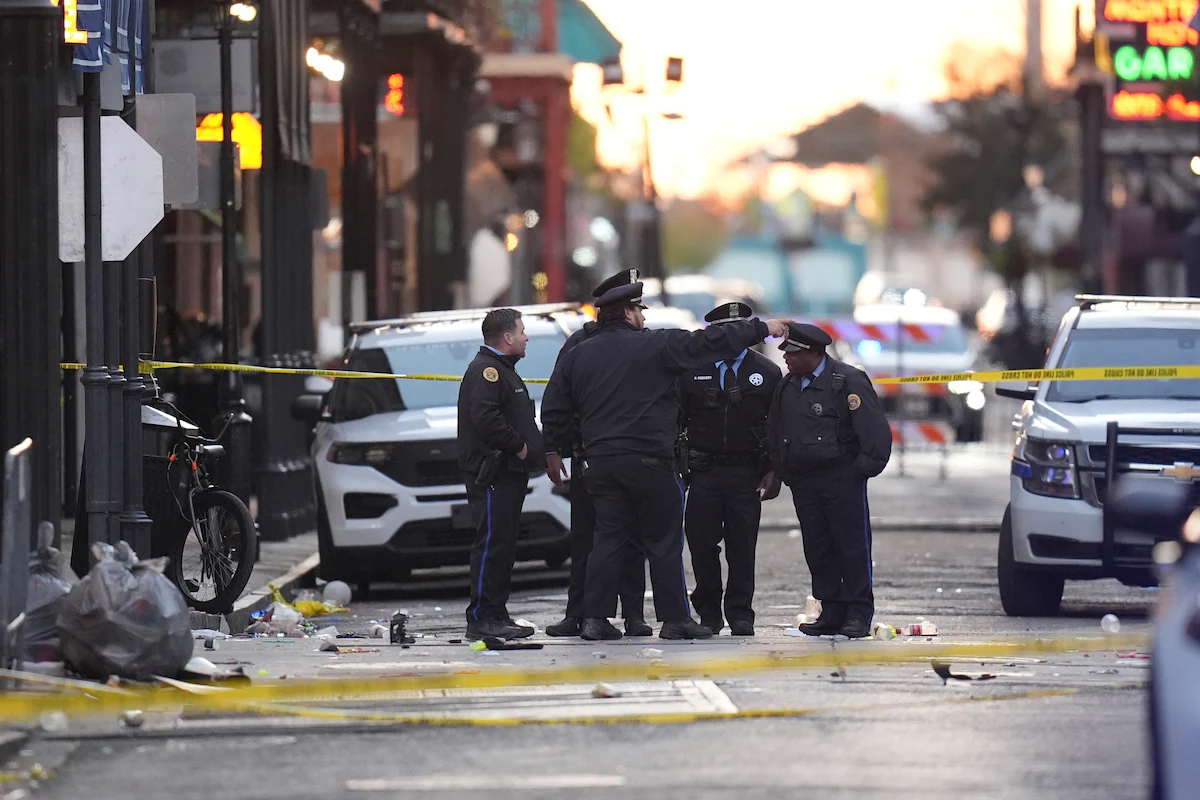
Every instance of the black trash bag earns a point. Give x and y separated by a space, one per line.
50 581
125 618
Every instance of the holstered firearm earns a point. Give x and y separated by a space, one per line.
490 468
681 457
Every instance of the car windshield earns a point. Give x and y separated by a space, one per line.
1128 347
358 398
947 339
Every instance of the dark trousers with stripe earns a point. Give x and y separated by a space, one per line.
583 529
723 506
496 512
638 500
835 522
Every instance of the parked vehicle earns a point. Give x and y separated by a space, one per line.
918 340
390 494
1075 438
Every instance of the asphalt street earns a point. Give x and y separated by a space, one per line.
869 730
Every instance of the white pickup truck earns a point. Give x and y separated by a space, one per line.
1075 437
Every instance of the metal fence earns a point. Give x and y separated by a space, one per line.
15 536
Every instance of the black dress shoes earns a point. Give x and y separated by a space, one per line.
713 625
597 629
824 626
496 628
570 626
741 628
638 627
684 629
856 628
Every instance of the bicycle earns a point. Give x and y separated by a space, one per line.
212 561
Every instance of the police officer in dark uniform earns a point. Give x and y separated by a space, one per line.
583 513
827 435
622 383
499 445
724 408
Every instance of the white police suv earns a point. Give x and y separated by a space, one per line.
1076 437
390 494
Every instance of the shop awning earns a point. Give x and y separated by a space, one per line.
582 36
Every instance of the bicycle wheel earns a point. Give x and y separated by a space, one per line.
211 563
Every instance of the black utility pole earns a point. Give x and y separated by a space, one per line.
30 272
98 478
238 476
135 525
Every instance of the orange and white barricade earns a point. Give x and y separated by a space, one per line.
929 435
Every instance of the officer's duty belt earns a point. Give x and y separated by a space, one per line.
699 458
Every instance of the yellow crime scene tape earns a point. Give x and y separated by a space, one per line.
77 700
1177 372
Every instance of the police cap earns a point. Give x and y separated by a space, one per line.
625 277
802 336
729 312
629 293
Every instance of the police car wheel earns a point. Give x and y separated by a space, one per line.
1024 592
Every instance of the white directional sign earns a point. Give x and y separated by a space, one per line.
131 179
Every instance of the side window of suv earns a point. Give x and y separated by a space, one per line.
356 398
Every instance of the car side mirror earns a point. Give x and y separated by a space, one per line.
307 408
1016 391
1149 504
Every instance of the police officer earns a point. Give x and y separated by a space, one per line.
583 514
622 383
499 445
724 408
827 435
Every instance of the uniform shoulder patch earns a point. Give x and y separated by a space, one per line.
490 375
854 401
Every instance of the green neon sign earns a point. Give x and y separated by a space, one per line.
1155 64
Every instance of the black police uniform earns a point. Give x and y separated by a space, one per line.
724 413
495 413
621 382
583 512
825 441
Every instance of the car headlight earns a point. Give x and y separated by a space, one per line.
1046 467
964 387
366 454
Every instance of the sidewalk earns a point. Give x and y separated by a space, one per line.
971 496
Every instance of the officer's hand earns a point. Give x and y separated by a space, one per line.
524 452
555 468
768 487
778 327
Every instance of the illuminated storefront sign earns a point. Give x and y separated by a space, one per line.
1150 50
393 101
71 32
247 132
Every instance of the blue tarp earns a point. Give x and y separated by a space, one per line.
582 36
115 28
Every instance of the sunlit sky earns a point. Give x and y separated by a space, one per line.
758 69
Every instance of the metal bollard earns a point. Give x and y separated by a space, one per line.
14 548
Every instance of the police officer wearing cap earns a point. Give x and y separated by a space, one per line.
499 445
622 384
583 514
827 435
724 408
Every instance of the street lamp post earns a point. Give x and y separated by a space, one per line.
233 418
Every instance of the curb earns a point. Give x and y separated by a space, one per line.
11 743
260 598
881 524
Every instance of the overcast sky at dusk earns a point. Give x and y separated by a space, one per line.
756 69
